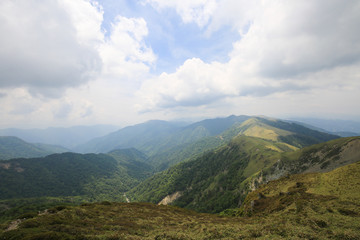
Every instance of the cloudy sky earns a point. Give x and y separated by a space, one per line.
82 62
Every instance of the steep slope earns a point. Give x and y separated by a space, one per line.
211 182
222 178
67 137
13 147
193 140
326 197
134 161
185 152
321 157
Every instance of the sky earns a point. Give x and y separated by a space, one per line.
122 62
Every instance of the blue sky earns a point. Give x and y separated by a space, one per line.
172 40
84 62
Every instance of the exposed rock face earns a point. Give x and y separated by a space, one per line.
170 198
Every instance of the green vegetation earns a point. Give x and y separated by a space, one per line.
13 147
293 134
316 158
18 208
167 144
221 178
222 165
293 207
212 182
60 177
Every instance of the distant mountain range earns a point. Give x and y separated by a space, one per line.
66 137
167 144
343 128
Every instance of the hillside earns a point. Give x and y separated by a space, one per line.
167 144
305 206
222 178
211 182
293 134
13 147
142 136
321 157
93 176
296 192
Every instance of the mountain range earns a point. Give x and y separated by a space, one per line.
66 137
221 166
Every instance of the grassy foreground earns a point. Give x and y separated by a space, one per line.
148 221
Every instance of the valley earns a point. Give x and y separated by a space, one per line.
228 178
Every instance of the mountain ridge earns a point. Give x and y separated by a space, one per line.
14 147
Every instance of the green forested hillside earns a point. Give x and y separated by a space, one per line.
13 147
134 162
305 206
221 178
155 137
95 176
142 136
167 144
212 182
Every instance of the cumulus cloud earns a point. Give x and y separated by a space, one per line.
55 55
41 49
125 54
288 39
194 83
285 46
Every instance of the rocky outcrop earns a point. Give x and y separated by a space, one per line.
170 198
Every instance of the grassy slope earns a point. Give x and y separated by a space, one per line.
319 157
295 135
304 206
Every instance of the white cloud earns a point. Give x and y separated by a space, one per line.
288 39
39 48
86 17
57 65
198 11
125 54
285 46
